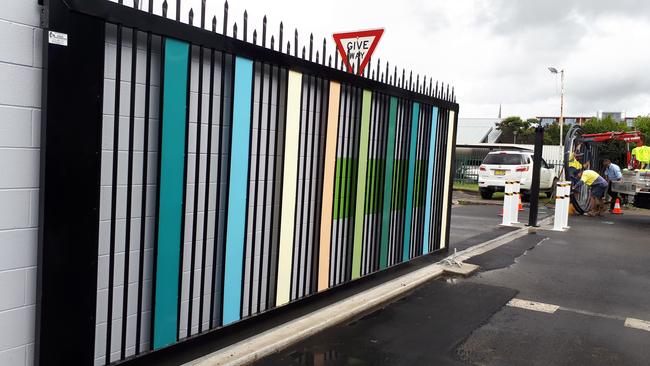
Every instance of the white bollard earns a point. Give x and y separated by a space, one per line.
558 220
562 202
507 204
516 188
567 203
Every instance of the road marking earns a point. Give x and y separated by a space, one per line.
637 324
533 305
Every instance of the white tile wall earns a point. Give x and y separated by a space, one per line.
20 101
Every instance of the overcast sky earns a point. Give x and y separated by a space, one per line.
493 51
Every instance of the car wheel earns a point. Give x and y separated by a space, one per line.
486 194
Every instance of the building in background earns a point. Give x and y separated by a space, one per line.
568 120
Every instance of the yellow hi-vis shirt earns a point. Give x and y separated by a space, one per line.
574 163
589 176
642 154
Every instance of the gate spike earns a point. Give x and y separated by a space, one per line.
417 83
381 78
311 45
150 8
178 10
136 4
303 52
324 49
453 94
447 95
329 63
317 57
191 16
288 48
411 81
272 42
280 37
214 24
372 75
264 31
254 36
430 87
395 75
295 43
225 18
378 67
234 30
424 85
368 70
336 60
403 77
245 25
164 10
203 14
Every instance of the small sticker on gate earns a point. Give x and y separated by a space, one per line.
57 38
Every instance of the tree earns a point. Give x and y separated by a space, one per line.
643 124
515 128
552 133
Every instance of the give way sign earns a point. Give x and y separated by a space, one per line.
355 48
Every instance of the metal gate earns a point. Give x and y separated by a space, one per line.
193 179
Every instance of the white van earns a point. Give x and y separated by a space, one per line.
501 166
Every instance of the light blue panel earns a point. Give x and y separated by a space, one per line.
411 180
239 164
432 164
170 208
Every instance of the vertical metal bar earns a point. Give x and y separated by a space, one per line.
299 201
320 178
303 202
265 188
116 147
129 193
353 181
197 176
206 204
255 193
309 249
283 77
145 178
430 177
341 121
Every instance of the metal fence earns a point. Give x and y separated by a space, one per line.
467 166
193 179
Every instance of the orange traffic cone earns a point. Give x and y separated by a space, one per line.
617 208
521 207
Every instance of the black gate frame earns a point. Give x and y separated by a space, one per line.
73 83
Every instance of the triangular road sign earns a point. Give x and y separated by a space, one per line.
357 46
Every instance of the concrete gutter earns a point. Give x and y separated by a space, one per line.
279 338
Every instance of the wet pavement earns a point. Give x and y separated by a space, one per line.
597 275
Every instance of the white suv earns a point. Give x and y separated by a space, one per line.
501 166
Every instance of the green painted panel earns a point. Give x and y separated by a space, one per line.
364 139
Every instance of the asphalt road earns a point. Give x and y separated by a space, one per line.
595 277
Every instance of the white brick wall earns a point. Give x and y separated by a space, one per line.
20 102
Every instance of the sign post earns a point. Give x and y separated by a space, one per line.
355 48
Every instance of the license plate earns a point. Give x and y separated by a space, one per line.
499 172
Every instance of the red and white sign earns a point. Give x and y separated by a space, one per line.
355 48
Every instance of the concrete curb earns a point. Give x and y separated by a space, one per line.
279 338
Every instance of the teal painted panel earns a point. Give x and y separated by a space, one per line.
388 183
239 163
431 168
172 167
410 181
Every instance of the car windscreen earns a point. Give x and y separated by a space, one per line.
504 159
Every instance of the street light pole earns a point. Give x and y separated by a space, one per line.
561 73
